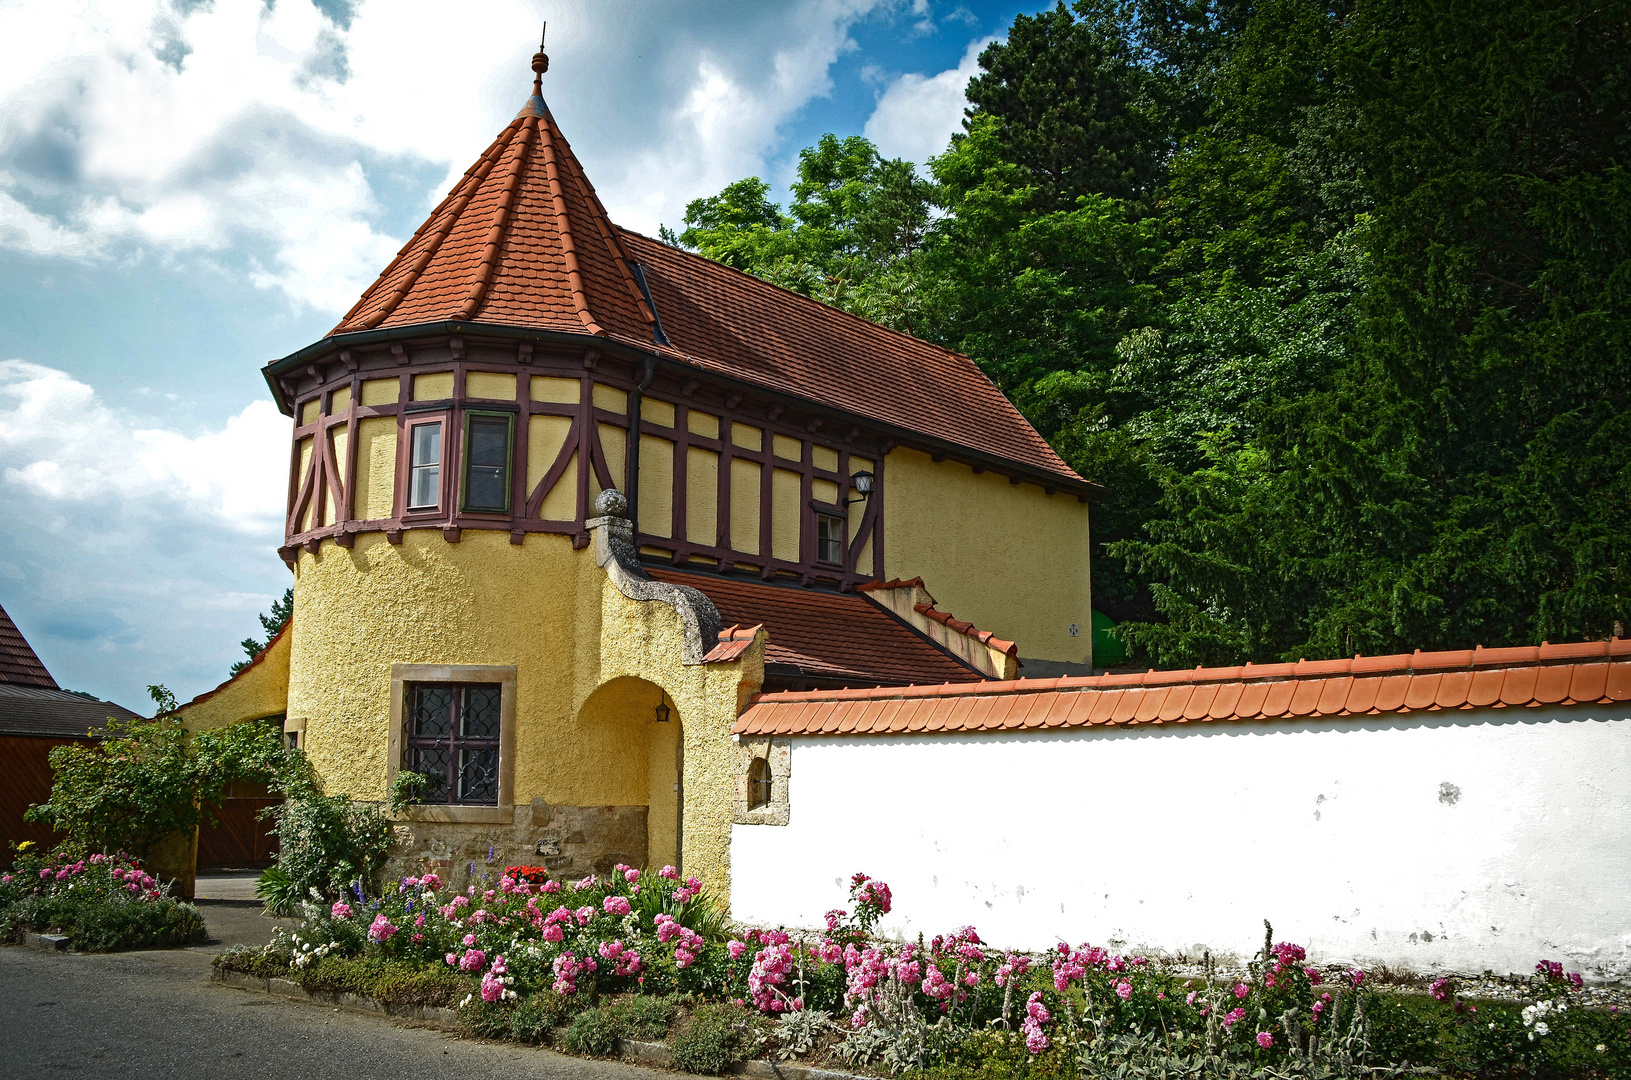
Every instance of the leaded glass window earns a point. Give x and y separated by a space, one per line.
452 739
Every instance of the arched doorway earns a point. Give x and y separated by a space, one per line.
622 717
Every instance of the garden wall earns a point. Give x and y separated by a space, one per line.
1463 841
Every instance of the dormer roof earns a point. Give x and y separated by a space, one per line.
522 242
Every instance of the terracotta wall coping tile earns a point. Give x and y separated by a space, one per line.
1463 679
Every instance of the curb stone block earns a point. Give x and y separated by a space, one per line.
48 942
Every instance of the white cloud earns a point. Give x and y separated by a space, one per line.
60 443
917 114
249 132
132 552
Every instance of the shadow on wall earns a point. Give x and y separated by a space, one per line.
640 728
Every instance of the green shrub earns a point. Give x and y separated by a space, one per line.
596 1031
260 961
485 1019
650 1017
716 1036
390 982
146 779
325 842
536 1018
96 924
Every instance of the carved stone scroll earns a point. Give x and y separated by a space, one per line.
616 553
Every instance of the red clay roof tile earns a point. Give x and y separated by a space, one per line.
1589 682
523 240
18 664
1457 680
837 636
1552 684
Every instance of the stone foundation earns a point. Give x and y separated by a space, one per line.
570 841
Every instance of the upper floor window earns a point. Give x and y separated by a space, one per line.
425 466
487 462
451 737
830 539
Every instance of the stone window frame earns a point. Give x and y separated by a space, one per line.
504 675
778 754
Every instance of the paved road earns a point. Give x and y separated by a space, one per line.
155 1016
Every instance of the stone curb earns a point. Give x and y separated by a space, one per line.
659 1055
48 942
439 1017
655 1054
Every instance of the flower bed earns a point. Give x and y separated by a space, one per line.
103 903
642 952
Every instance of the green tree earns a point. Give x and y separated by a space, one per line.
146 779
274 620
1451 481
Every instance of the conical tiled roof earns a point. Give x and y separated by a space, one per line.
18 664
523 241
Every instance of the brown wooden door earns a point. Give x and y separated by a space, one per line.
240 838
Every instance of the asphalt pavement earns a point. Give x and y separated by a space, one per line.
154 1015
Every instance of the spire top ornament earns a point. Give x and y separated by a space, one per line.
540 63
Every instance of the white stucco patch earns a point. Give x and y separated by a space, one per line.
1458 841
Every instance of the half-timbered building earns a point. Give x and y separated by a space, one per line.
562 497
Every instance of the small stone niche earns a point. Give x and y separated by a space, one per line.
764 767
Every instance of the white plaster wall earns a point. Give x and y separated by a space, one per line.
1342 833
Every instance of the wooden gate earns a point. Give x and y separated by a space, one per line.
240 839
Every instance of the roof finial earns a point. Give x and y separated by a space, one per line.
540 63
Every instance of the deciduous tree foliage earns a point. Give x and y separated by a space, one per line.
1332 296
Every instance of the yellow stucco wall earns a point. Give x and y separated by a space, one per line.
491 385
746 476
259 690
588 661
1009 558
701 495
376 467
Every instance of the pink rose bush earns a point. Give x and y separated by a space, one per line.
101 902
655 932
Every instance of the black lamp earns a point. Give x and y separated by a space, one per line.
662 708
863 484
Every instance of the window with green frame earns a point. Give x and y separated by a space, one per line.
488 437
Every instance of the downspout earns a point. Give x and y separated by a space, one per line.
631 454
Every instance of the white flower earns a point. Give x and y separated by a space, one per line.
1601 1048
1542 1029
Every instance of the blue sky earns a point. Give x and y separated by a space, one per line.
190 188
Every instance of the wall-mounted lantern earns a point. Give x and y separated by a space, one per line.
863 485
662 707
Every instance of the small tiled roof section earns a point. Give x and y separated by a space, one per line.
522 240
733 642
828 635
1598 671
52 713
944 618
18 664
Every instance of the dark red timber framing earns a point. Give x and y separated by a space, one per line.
520 271
337 386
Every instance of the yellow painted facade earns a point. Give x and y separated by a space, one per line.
259 691
376 467
1009 558
588 665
